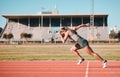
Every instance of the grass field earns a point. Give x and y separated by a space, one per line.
55 52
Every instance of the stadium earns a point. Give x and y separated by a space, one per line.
30 45
45 26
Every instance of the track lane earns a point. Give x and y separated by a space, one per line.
58 69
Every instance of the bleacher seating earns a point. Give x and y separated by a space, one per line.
43 33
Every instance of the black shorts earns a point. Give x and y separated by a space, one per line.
82 42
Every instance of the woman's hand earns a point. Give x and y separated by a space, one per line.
61 34
87 25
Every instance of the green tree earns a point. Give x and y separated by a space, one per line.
112 36
1 31
118 35
22 35
25 36
29 35
8 36
5 36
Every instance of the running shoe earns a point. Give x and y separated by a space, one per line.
80 61
104 63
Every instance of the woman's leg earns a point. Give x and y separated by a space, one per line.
92 53
74 50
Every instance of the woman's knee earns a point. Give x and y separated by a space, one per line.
73 49
89 50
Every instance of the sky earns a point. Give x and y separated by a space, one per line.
110 7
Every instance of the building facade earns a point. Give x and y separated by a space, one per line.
46 26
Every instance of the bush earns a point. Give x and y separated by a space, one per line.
8 36
25 35
112 36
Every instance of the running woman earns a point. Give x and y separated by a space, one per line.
80 43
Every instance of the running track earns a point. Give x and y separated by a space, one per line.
58 69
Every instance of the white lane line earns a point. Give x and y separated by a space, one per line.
87 69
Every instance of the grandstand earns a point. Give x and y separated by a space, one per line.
45 27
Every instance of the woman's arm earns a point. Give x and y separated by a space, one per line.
64 37
82 25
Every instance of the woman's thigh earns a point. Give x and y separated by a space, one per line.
75 47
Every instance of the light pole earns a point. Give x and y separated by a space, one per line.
92 21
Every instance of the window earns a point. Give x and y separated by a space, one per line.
23 21
66 21
13 20
76 21
34 22
98 21
55 22
46 22
86 20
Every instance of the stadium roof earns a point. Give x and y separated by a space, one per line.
49 15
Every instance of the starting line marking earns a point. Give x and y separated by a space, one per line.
87 68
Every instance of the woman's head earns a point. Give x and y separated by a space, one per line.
63 31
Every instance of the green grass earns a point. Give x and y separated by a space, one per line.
55 52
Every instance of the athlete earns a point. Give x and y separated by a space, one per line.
80 43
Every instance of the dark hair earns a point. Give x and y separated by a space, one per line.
64 28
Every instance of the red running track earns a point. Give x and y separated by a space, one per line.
58 69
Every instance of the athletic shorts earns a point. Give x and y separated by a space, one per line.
82 42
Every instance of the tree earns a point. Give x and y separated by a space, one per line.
22 35
115 35
5 36
29 35
112 36
118 35
26 36
1 30
8 36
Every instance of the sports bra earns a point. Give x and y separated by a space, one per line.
73 36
